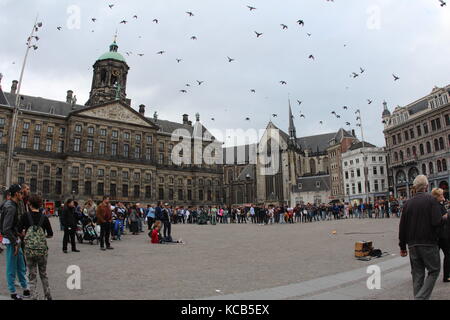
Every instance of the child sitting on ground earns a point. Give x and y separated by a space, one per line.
155 235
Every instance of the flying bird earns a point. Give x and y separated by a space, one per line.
155 20
348 123
321 122
135 16
183 91
59 28
230 59
311 57
258 34
309 34
443 3
301 22
94 19
193 38
355 75
362 70
302 116
247 119
200 82
253 91
160 52
110 6
251 8
395 77
179 60
124 21
345 107
190 14
369 101
284 26
299 102
274 115
140 54
283 82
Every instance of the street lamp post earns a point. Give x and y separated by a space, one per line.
366 182
13 127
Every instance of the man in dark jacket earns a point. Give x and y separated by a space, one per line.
419 228
104 218
69 219
15 262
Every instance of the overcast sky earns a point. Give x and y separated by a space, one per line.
404 37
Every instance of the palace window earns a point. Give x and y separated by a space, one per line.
50 130
26 126
61 146
103 132
36 143
91 130
102 148
76 145
24 142
126 150
115 134
78 128
90 146
114 149
48 145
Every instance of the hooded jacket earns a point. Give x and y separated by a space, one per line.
10 221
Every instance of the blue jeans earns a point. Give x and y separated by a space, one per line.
118 228
15 266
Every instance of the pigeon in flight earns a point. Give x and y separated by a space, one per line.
251 8
247 119
253 91
183 91
179 60
230 59
193 38
302 116
160 52
59 28
311 57
355 75
274 115
362 70
348 123
283 82
443 3
110 6
299 102
321 122
140 54
369 101
94 19
190 14
345 107
155 20
258 34
395 77
124 21
284 26
200 82
301 22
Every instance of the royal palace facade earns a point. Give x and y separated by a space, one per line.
105 147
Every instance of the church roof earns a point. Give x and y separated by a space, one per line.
112 55
317 143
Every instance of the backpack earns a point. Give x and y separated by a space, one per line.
35 240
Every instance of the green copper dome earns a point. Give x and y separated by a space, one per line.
112 54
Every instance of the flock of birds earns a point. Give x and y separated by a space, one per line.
283 26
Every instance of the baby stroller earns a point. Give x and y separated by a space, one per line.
89 231
86 231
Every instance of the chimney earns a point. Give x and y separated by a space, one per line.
142 109
69 96
353 133
185 119
190 123
14 86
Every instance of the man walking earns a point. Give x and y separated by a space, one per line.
15 263
419 226
104 218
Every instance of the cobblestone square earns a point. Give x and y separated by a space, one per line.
237 261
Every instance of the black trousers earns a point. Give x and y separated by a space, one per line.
105 231
444 245
150 222
69 233
167 228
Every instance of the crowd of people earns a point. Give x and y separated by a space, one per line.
24 227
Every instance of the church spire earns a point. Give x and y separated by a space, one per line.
292 131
